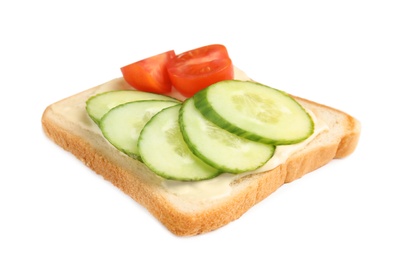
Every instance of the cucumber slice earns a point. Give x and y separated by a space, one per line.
218 147
122 125
163 150
255 112
100 104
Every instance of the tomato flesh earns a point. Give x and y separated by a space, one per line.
196 69
150 74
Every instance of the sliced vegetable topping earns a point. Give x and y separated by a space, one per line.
122 125
100 104
196 69
225 125
188 72
164 151
218 147
149 74
255 111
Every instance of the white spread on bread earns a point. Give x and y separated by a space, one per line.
201 190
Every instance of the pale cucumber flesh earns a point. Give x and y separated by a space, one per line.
255 111
164 151
98 105
218 147
121 126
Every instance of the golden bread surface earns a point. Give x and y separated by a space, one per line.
181 215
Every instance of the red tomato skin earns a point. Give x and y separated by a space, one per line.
196 69
191 83
150 74
200 55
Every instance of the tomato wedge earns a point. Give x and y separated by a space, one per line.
196 69
150 74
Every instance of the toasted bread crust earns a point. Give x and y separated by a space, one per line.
247 191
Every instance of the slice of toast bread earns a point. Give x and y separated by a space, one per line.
68 125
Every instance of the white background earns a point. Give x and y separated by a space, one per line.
338 53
